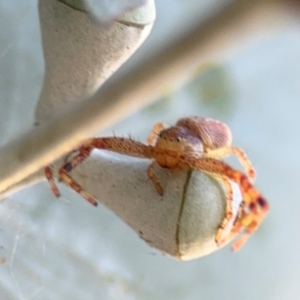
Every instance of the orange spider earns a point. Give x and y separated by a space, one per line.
195 142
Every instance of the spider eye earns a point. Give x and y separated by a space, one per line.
178 139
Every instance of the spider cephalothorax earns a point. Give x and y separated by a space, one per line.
195 142
179 140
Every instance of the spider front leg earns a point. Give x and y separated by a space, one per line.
64 176
114 144
223 152
84 152
49 176
254 206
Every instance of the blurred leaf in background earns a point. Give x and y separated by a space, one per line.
214 89
164 104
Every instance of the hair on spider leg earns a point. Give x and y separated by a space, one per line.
130 136
114 134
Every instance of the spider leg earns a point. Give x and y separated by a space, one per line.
243 239
220 153
153 177
249 222
152 137
228 212
69 155
229 198
255 207
49 176
119 145
69 166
